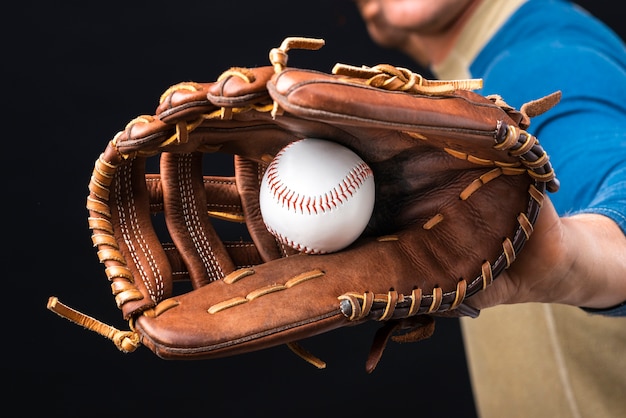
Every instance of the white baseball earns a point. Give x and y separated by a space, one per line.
317 196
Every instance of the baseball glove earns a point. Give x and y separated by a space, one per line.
458 183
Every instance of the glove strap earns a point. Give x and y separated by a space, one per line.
126 341
306 356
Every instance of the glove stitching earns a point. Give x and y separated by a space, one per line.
193 223
133 235
262 291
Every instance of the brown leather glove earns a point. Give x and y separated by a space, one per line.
459 183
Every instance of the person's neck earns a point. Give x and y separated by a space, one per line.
431 49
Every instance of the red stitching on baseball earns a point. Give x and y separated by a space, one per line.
327 201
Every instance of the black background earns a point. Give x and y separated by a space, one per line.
74 74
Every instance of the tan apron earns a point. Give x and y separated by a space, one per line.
541 360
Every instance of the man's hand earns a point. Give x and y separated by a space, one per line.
578 260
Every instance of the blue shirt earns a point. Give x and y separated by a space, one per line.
550 45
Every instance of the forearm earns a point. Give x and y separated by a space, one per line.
596 276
